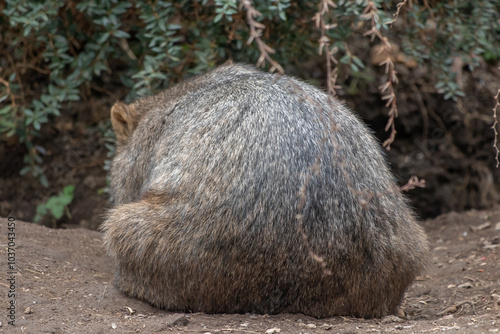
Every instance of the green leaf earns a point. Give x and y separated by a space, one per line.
121 34
68 190
173 26
41 210
25 170
5 110
56 209
358 62
218 17
103 38
27 30
43 180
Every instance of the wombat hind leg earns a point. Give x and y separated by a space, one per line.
138 237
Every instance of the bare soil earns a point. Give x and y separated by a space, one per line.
64 284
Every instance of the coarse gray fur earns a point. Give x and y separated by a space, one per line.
243 191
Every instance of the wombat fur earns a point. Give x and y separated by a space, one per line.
242 191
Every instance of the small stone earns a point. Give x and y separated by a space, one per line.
113 325
177 320
391 319
467 285
497 227
401 313
496 299
480 227
273 330
311 326
326 327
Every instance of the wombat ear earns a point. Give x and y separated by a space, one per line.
124 119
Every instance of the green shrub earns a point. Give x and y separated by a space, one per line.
52 50
56 206
444 32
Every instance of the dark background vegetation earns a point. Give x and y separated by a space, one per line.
64 63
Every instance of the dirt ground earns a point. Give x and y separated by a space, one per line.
63 283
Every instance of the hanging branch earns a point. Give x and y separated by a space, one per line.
371 13
494 127
324 44
256 29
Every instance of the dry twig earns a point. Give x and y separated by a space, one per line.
371 13
457 307
324 43
494 127
256 29
413 183
399 6
8 91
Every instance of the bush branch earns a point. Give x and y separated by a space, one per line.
256 29
324 44
371 13
494 127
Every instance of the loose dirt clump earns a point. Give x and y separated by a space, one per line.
64 284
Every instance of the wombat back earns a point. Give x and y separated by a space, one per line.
242 191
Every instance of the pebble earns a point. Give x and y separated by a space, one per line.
391 319
176 320
326 327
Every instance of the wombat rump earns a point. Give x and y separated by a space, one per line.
242 191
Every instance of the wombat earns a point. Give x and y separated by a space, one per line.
242 191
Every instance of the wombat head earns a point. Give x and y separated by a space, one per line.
133 151
124 119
